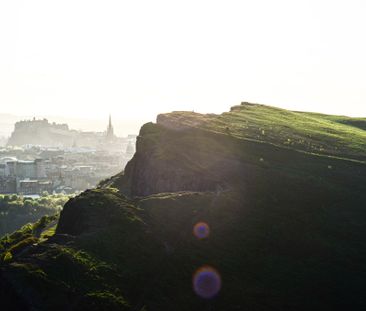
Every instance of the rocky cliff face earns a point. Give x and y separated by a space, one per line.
210 214
171 160
194 152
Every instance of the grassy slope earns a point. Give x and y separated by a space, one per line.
291 246
286 235
315 133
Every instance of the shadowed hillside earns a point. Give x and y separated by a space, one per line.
281 198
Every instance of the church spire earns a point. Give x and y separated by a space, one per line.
110 132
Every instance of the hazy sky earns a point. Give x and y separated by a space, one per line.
86 58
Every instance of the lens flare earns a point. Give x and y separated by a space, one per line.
206 282
201 230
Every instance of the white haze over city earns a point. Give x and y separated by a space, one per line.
134 59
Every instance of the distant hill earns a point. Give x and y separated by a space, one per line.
122 127
41 132
258 208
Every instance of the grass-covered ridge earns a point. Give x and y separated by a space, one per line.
310 132
195 152
287 221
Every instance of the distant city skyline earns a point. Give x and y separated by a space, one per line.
135 59
121 127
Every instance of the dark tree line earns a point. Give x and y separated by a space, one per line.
16 210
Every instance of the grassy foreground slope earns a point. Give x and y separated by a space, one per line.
287 224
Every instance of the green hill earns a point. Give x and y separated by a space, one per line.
310 132
282 194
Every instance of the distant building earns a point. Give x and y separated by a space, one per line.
29 186
111 142
45 185
2 170
110 132
45 156
40 132
26 169
8 185
80 177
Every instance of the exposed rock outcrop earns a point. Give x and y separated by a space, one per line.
285 224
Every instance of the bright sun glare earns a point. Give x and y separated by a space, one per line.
136 59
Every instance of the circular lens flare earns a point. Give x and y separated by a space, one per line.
201 230
206 282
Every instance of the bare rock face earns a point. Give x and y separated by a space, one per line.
177 154
177 157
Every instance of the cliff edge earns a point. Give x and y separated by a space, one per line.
258 208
